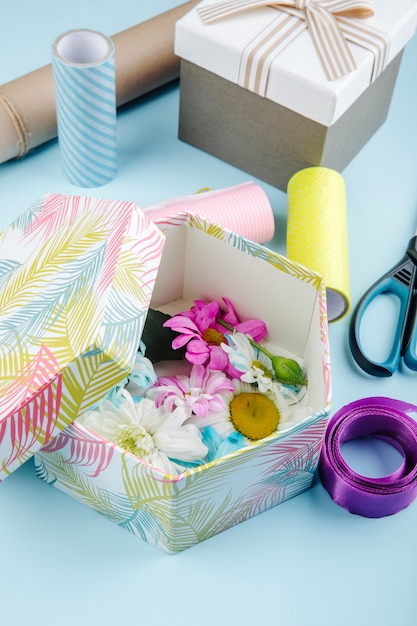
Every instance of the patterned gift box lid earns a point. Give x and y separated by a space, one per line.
76 278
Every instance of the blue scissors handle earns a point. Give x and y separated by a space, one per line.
401 281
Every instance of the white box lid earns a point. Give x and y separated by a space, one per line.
296 77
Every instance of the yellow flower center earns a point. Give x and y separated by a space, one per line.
254 415
260 366
213 337
136 441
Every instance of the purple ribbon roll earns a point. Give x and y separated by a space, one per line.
381 418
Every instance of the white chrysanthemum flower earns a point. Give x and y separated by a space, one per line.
148 432
255 366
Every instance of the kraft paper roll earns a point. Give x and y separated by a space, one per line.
244 209
85 92
145 60
317 233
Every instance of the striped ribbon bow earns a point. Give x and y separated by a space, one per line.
331 23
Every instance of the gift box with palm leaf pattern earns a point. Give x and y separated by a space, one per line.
201 260
76 278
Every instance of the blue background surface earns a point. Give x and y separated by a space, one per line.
306 561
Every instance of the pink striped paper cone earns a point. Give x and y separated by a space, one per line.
244 209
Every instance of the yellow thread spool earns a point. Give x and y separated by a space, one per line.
317 233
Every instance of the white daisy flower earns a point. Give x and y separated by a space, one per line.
148 432
255 366
256 414
249 411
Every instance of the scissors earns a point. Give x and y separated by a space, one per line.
400 281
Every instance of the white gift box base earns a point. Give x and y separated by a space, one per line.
268 107
201 260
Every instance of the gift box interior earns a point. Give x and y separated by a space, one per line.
301 119
173 512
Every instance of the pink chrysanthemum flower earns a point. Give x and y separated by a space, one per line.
202 391
199 329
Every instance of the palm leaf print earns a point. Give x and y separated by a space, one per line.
28 300
50 315
24 221
285 265
288 467
141 523
275 490
59 305
292 475
7 266
324 336
36 374
214 231
149 495
42 471
185 510
87 380
64 248
168 222
29 427
54 211
130 295
195 521
133 277
117 507
69 480
258 251
276 260
242 244
129 279
55 468
307 438
74 327
14 357
121 329
58 290
204 502
175 512
82 448
208 479
51 212
143 484
46 215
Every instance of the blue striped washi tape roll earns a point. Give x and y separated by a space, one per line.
85 93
